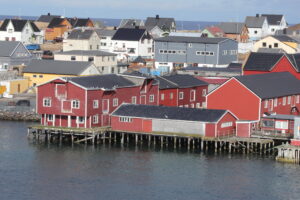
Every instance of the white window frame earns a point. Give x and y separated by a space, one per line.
95 103
50 118
115 102
282 125
266 103
289 100
151 98
80 120
171 95
181 95
204 92
47 102
133 100
75 104
226 124
162 97
275 102
95 119
284 101
298 99
198 105
193 95
125 119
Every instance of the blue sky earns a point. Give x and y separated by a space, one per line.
194 10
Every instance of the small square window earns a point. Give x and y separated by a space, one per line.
95 104
75 104
151 98
80 120
115 102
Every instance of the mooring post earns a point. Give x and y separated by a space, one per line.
161 141
136 139
201 145
122 138
175 141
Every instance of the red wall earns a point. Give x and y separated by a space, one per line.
283 65
243 130
226 130
167 100
236 98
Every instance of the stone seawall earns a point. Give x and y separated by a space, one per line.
19 116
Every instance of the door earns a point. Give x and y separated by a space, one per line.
143 99
105 120
105 105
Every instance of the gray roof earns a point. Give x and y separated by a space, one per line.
46 18
279 116
81 34
179 81
271 85
162 23
258 61
273 19
105 32
254 22
270 50
128 23
191 39
57 67
86 53
172 113
284 38
8 47
231 27
212 69
105 82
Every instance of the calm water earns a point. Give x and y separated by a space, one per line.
46 172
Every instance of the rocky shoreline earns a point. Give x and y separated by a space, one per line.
19 116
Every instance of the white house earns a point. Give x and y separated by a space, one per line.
160 26
257 26
130 43
275 23
105 36
82 39
24 31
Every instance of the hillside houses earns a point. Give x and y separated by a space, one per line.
234 30
284 42
20 30
175 52
159 26
106 36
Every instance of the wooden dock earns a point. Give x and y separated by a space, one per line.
288 153
190 142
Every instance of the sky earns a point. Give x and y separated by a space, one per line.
191 10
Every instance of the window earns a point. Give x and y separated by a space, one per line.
80 120
190 45
181 94
73 58
298 99
133 100
162 96
226 124
275 102
34 76
283 101
149 50
264 44
224 52
115 102
91 47
161 51
95 119
276 45
268 123
192 105
204 92
10 30
91 59
272 29
47 102
289 100
197 105
171 95
112 70
50 118
151 98
255 32
95 104
125 119
97 46
41 76
75 104
211 53
193 95
281 124
266 103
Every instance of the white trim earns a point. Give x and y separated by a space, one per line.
85 113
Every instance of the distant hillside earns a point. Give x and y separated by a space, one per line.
181 25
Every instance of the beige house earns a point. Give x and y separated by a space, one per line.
82 39
286 43
106 62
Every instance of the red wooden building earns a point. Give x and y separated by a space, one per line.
182 91
160 119
88 101
253 96
261 63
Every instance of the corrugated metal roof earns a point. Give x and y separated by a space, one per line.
7 47
57 67
255 22
172 113
271 85
191 39
262 61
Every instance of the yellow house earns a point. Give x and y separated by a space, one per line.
11 87
286 43
42 71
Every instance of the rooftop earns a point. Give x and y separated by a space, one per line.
191 39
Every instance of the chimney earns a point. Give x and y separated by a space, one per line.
257 15
48 14
115 28
157 17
